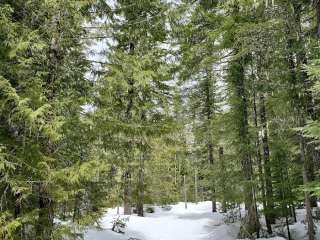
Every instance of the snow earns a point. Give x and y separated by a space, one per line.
197 222
298 230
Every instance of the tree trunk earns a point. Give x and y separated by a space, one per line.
196 186
213 189
76 210
259 162
127 190
316 4
293 213
251 222
267 168
127 193
175 169
45 222
284 204
209 113
17 204
269 204
312 156
311 228
287 224
223 186
45 216
141 185
185 191
302 104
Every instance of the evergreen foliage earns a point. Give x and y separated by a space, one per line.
183 101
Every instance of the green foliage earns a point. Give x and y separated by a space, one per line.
179 83
48 151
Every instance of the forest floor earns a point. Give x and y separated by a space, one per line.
197 222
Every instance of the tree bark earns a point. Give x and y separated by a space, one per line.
259 162
302 104
141 185
208 114
316 4
269 204
46 215
127 192
76 210
267 168
223 186
17 204
196 186
311 227
251 223
127 198
185 191
45 222
213 189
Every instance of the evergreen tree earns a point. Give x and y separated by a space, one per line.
134 95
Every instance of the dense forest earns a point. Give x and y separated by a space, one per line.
128 103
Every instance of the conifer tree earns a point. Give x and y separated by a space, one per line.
134 94
43 88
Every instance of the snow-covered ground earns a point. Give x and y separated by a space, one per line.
298 230
197 222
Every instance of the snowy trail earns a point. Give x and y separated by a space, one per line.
195 223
